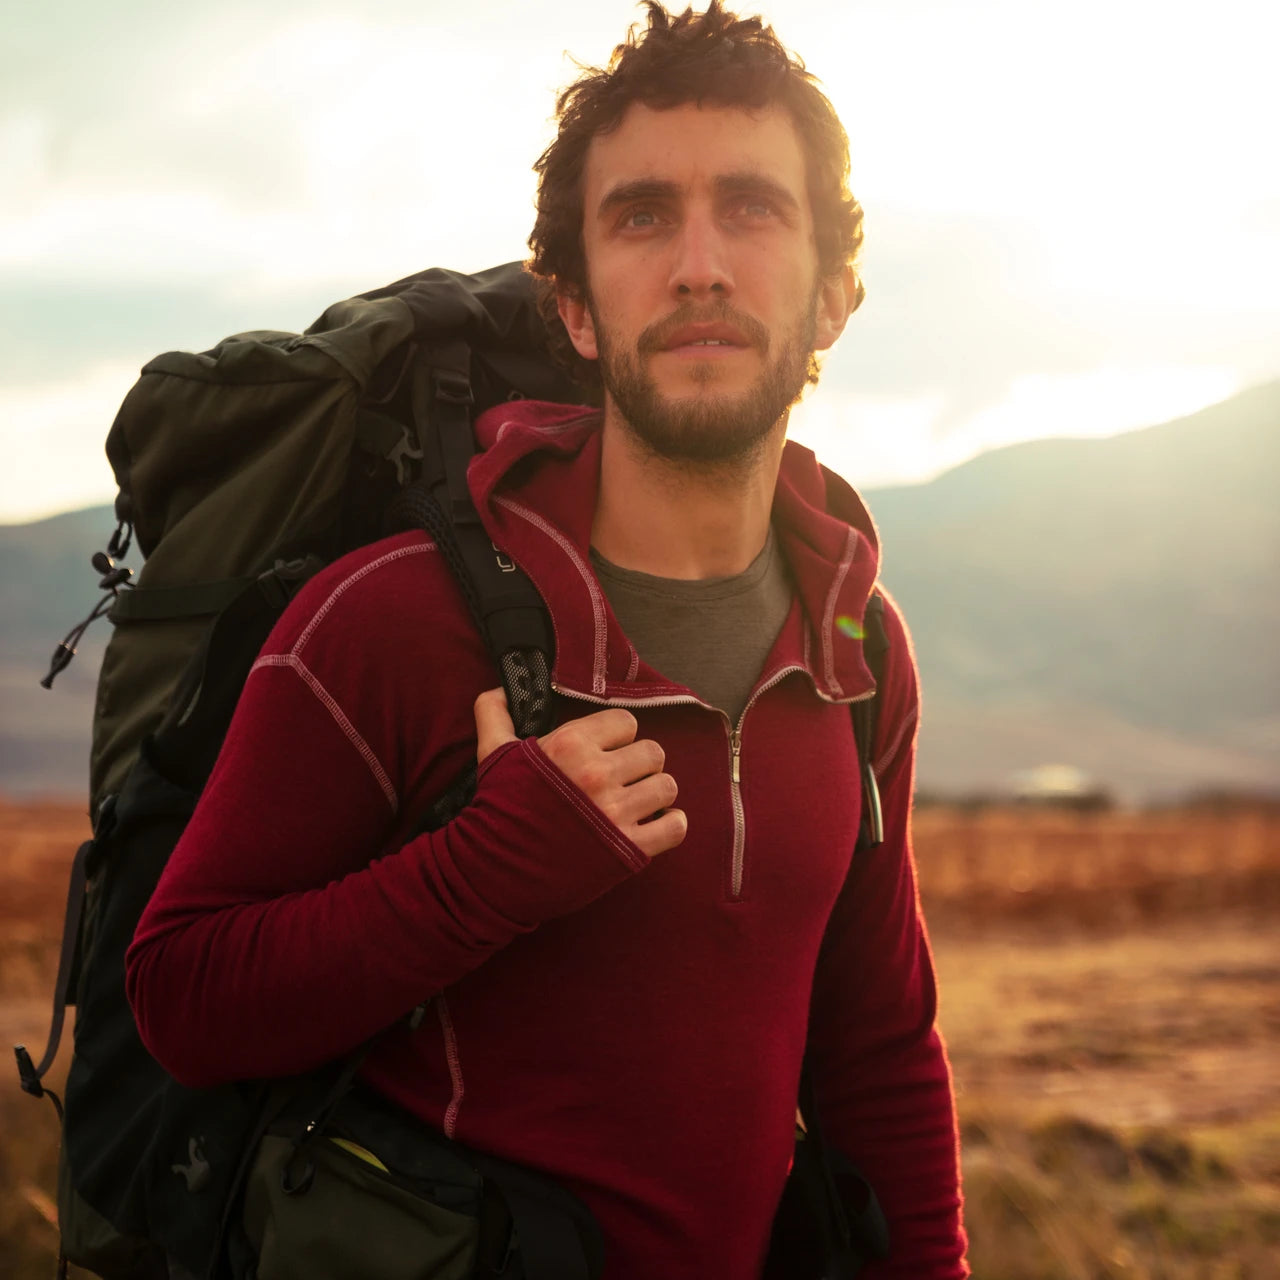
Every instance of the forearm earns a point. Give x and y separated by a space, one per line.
279 939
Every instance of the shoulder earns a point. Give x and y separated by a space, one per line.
374 595
384 641
899 692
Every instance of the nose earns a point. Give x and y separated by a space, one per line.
700 267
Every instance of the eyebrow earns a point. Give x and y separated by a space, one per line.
639 189
751 182
740 182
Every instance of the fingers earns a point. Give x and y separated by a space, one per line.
661 833
608 729
493 723
623 777
632 804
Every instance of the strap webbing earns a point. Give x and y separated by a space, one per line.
32 1075
547 1242
837 1219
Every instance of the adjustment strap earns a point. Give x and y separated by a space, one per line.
836 1217
546 1239
443 404
30 1073
511 610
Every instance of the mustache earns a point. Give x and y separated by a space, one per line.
656 336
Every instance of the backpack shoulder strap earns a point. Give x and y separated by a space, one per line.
875 649
508 611
511 615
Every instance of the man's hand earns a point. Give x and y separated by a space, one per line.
599 755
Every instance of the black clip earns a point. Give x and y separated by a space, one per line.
118 547
27 1072
30 1079
111 579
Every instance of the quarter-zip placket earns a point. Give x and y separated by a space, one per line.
737 864
737 868
735 756
737 857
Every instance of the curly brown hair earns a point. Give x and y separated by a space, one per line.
713 57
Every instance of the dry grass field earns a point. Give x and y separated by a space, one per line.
1111 999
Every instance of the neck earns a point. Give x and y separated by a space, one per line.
678 519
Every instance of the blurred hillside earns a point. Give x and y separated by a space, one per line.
1109 604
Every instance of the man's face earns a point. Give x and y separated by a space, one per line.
704 300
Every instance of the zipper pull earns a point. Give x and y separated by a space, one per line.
735 746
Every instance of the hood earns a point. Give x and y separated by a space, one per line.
534 484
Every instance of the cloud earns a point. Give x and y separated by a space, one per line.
53 438
1045 198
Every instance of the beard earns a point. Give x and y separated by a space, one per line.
705 428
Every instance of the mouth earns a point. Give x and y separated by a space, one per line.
704 340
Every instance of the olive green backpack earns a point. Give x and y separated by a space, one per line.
241 471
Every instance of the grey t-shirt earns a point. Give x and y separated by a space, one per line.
711 634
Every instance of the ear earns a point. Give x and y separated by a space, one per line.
838 299
576 315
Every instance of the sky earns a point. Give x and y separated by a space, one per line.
1072 211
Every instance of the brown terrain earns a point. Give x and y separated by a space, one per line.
1111 999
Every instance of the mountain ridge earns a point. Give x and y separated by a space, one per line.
1104 602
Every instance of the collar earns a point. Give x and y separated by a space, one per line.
534 483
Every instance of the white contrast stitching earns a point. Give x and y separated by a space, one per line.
330 703
588 578
450 1124
399 554
617 841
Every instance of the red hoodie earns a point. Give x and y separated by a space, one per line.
634 1029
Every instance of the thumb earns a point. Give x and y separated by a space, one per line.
493 723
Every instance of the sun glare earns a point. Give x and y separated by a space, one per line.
875 441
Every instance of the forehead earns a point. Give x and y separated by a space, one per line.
691 146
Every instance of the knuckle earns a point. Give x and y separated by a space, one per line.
562 744
592 777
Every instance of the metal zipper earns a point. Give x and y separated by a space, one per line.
738 859
678 700
737 867
738 856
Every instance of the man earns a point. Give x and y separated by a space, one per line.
631 934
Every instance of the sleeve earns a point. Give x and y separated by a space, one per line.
880 1070
283 934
